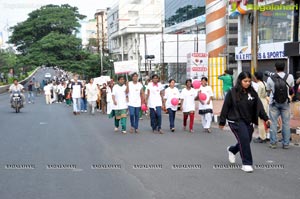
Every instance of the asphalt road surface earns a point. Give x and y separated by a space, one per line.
48 153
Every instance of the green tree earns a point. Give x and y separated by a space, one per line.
48 38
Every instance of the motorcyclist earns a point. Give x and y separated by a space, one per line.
16 87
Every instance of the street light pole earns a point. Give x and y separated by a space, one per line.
254 26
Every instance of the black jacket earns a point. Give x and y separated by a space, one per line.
231 109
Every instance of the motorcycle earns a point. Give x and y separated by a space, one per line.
16 101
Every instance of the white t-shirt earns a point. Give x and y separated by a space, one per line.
120 96
76 90
134 94
188 97
47 90
171 93
61 89
91 92
15 88
154 98
209 93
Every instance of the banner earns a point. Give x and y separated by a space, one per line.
197 65
123 67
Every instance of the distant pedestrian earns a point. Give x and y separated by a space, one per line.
279 86
109 97
155 103
61 92
30 96
68 95
206 105
83 101
241 109
135 94
171 94
103 98
227 81
187 97
262 94
91 96
119 104
76 92
47 92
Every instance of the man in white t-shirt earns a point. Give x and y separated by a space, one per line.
155 102
91 95
47 92
16 87
119 104
135 94
76 92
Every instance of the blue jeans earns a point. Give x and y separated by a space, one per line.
172 115
76 104
155 118
275 111
134 113
30 96
83 104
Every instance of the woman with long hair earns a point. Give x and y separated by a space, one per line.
241 109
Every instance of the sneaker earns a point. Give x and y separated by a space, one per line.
173 130
131 130
116 129
191 131
259 140
273 146
85 111
124 132
247 168
285 146
231 156
160 131
137 131
208 130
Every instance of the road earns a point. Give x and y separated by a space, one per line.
48 153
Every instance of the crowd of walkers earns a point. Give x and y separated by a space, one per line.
248 103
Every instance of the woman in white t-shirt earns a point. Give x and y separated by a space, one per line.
119 104
187 97
171 93
135 94
91 95
206 105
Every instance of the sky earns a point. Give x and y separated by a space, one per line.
15 11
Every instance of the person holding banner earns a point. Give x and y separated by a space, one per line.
119 104
135 94
155 102
205 96
171 100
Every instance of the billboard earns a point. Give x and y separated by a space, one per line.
197 65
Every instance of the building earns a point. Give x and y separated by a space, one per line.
275 28
101 27
130 20
88 32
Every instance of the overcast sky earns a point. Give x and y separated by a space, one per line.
14 11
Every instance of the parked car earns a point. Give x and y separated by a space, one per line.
47 75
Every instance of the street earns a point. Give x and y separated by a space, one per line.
48 153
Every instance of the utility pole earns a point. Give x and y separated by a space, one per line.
162 55
254 26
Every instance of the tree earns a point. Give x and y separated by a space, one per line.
48 38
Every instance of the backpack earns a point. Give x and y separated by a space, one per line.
280 94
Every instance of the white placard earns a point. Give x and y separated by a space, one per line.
126 67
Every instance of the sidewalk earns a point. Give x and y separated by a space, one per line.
217 106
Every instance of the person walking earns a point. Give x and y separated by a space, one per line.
47 91
68 95
30 96
76 93
91 96
188 96
171 96
103 98
83 101
61 92
205 104
135 92
227 81
279 86
155 103
109 97
262 94
241 109
119 104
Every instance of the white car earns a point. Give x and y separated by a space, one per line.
47 75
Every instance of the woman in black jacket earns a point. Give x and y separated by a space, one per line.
241 109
